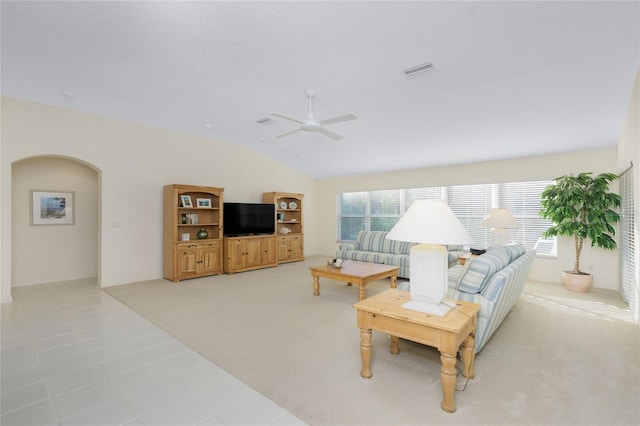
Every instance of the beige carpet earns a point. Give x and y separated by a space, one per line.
559 358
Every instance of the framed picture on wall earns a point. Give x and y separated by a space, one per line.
52 208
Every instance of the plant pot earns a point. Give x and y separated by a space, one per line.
577 282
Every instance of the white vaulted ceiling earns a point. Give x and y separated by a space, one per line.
511 79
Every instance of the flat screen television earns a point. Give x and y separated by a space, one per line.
248 219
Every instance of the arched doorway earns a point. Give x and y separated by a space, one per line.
52 253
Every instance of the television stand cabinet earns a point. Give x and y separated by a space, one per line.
249 252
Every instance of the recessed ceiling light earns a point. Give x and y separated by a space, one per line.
67 95
260 138
300 156
418 69
208 126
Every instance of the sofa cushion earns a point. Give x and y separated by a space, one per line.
453 274
374 241
474 278
402 247
514 251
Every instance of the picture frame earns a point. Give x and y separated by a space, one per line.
203 203
185 200
52 208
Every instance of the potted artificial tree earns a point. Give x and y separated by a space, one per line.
581 207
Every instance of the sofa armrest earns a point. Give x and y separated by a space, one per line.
347 246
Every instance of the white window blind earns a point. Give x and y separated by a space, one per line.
628 245
385 208
414 194
352 214
522 199
471 203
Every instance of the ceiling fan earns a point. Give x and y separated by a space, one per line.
311 124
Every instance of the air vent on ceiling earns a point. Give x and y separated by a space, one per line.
418 69
265 121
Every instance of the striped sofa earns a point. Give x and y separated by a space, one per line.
372 246
494 281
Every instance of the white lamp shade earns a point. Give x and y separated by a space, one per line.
430 221
500 218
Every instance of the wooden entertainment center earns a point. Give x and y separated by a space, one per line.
288 217
193 241
190 212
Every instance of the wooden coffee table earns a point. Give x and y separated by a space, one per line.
384 312
351 272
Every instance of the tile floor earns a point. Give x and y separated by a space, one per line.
73 355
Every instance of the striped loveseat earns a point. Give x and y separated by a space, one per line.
494 281
373 247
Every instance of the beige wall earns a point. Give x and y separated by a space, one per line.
603 264
52 253
134 161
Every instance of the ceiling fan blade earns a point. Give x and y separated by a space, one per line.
329 133
286 117
339 119
288 133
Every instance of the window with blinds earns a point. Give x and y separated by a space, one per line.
385 208
472 203
380 210
627 246
352 212
522 199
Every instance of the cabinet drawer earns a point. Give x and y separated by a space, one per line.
290 238
198 245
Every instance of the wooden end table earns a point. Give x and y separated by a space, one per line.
463 259
351 272
384 312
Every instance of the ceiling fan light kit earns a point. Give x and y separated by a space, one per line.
311 124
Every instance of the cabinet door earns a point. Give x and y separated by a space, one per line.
268 251
282 249
295 249
187 261
236 254
210 260
253 252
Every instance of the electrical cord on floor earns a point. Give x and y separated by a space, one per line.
466 381
459 369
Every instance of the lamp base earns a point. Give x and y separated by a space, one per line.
437 309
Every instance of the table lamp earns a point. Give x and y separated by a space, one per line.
500 220
430 223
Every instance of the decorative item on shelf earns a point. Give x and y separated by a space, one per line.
430 223
280 217
500 220
285 230
185 201
202 234
283 205
293 205
203 203
186 236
